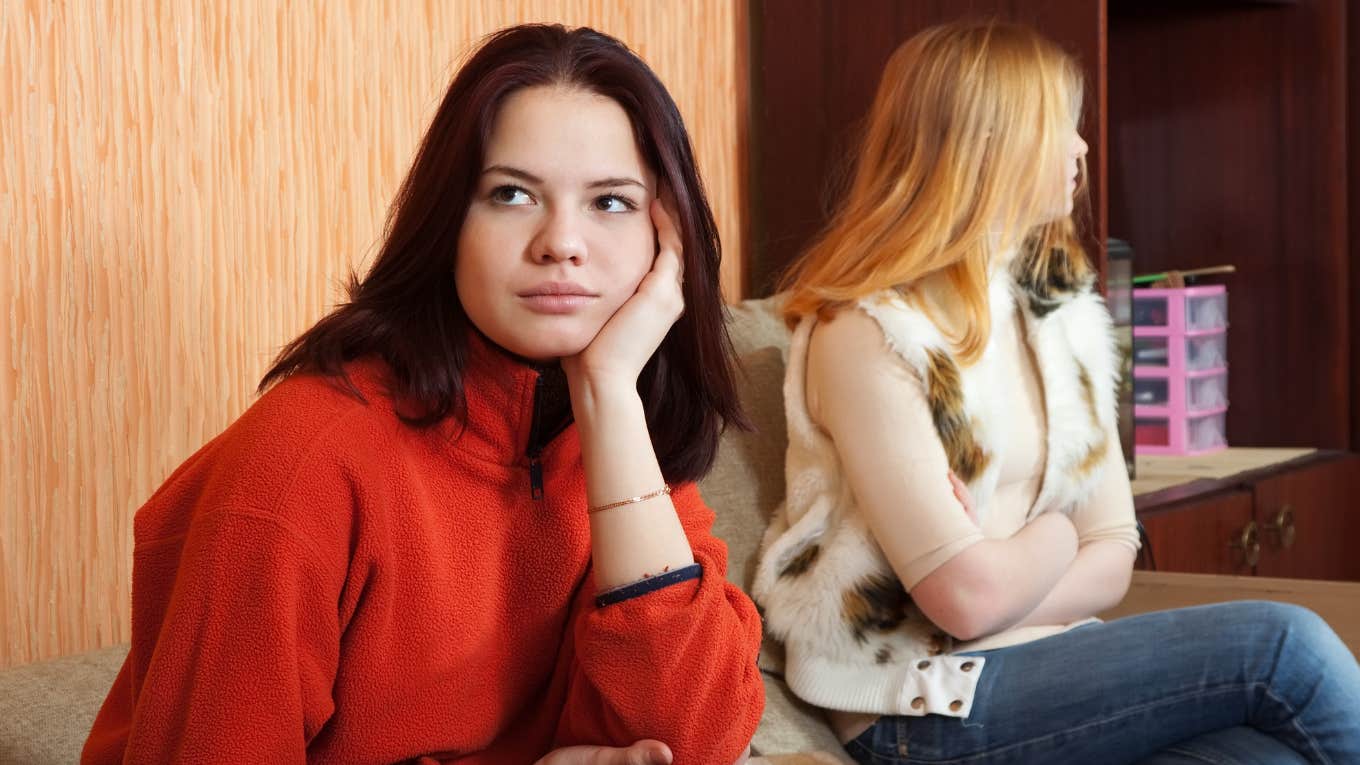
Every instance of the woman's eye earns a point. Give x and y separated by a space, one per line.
614 204
510 195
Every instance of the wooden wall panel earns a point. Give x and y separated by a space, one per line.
182 187
1228 145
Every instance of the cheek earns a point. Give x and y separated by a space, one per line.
630 259
473 269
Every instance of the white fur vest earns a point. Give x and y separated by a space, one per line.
854 640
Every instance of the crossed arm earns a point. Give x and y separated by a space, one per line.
1053 570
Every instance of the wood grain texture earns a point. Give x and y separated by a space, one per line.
1197 538
1228 137
1161 591
182 188
1309 529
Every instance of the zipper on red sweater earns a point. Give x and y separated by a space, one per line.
535 478
535 448
551 416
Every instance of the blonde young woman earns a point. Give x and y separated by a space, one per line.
957 507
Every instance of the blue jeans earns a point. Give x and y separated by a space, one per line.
1234 683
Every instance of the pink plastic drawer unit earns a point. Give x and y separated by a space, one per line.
1187 310
1180 370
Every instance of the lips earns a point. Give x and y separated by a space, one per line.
557 297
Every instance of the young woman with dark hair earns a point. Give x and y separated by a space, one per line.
460 524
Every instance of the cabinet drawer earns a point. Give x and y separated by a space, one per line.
1214 535
1308 521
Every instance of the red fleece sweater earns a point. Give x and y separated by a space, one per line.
323 583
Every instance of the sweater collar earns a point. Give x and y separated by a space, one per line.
514 409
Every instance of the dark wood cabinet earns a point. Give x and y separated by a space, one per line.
1308 521
1216 536
1297 520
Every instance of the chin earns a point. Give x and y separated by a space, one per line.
547 346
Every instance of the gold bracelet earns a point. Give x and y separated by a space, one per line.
663 491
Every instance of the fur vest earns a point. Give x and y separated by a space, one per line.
854 640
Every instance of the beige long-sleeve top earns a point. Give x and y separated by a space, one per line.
874 407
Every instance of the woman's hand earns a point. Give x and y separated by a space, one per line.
630 337
644 752
964 497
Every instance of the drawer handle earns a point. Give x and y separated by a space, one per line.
1282 528
1249 542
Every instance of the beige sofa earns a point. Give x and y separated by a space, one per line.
46 709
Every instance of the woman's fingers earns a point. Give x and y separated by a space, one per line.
667 235
667 274
962 494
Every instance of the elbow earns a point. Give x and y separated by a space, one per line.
1110 571
1120 580
966 608
966 629
979 613
1123 579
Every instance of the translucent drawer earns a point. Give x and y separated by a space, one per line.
1172 434
1186 394
1192 309
1191 353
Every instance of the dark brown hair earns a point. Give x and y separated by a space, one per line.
406 310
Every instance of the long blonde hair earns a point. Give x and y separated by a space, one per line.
971 120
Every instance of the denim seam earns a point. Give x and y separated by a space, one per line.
1294 723
875 756
1199 756
1213 690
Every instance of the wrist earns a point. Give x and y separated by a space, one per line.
592 392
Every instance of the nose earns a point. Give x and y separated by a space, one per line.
1079 147
559 240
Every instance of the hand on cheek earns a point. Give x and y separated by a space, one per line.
629 338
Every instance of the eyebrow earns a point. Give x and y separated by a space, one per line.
529 177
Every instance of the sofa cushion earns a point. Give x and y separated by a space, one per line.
46 709
747 480
744 487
